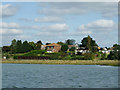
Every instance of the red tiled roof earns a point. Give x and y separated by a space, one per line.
53 44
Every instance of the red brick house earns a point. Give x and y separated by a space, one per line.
51 48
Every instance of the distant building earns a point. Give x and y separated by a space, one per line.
51 48
70 46
4 57
81 50
105 50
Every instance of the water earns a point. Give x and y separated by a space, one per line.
59 76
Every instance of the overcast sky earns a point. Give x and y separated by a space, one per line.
52 22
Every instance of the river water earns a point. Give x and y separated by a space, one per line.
59 76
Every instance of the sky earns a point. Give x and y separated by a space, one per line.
58 21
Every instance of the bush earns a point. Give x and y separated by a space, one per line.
75 57
114 55
89 56
53 56
15 57
35 53
67 58
103 56
7 57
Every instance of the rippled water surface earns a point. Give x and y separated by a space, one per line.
59 76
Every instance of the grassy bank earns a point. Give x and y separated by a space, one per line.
74 62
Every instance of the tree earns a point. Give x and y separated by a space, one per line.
33 45
5 48
115 54
19 48
47 43
89 43
116 47
64 47
72 49
13 46
60 43
70 42
38 45
39 42
26 47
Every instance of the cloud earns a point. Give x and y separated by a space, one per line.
78 8
49 19
9 25
8 10
50 28
99 26
56 27
81 33
10 28
10 31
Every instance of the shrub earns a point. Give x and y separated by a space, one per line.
89 56
53 56
15 57
103 56
67 58
77 57
35 53
7 57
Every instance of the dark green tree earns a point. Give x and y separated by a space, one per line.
26 47
38 45
33 45
72 49
61 43
39 42
70 42
5 49
47 43
19 47
115 54
13 46
89 43
64 47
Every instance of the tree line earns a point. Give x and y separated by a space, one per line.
17 46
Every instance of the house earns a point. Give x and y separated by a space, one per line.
105 51
70 46
81 50
51 48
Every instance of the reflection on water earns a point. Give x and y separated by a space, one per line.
59 76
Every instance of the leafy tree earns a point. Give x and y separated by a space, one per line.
72 49
39 42
19 47
115 54
13 46
33 45
116 47
60 43
103 56
70 42
89 56
38 45
26 47
89 43
5 48
64 47
47 43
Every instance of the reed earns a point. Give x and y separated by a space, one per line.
74 62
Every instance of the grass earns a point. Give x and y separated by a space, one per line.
74 62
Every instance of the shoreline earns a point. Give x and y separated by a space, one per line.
71 62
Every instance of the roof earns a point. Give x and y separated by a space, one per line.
53 44
71 46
